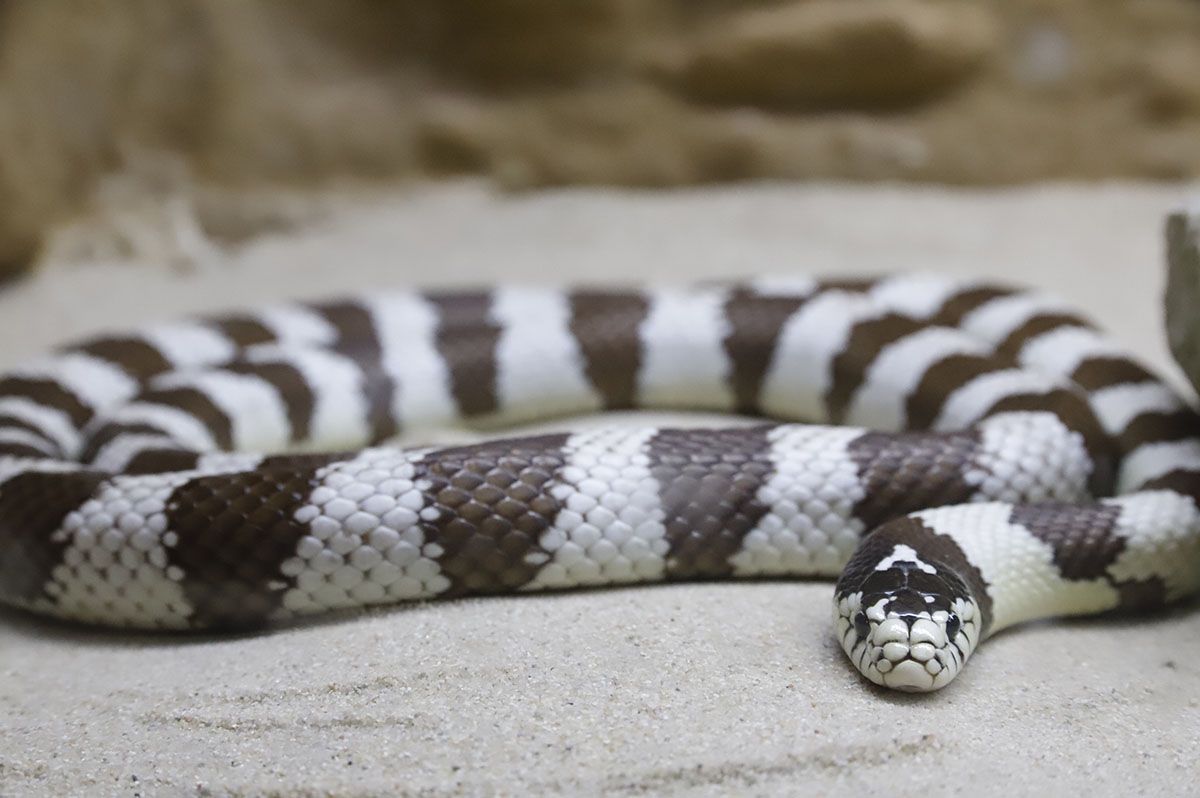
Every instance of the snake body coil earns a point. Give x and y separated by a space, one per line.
968 429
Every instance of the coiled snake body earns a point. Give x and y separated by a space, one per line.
969 428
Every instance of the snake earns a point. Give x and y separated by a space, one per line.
962 457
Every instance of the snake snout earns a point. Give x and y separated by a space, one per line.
910 651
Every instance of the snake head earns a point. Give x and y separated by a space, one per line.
906 623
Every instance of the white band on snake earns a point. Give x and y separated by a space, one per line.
956 487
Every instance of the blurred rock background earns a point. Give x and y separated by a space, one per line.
168 128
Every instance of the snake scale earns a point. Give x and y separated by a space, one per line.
957 445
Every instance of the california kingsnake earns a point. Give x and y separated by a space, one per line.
128 498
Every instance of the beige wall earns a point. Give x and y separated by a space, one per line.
541 92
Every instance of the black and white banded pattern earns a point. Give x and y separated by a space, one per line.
961 433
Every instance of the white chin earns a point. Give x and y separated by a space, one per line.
909 676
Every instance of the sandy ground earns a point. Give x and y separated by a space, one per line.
681 690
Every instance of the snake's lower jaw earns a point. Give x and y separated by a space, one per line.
889 666
912 676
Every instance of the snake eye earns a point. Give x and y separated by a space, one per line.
862 627
952 626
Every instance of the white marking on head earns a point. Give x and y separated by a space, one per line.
903 553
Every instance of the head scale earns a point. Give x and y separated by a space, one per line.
906 621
